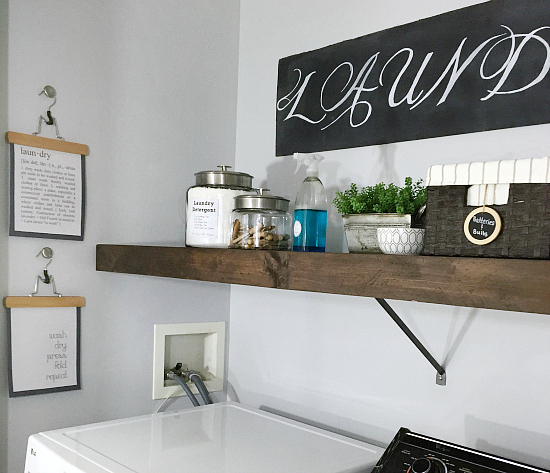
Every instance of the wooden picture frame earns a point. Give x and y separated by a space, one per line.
47 187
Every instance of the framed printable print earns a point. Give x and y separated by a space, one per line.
47 187
44 345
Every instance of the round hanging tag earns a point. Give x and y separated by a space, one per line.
482 225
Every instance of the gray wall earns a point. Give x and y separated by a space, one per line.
3 229
151 88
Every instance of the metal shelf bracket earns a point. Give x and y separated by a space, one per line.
441 376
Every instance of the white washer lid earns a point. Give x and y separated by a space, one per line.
219 438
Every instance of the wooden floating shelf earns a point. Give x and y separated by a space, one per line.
507 284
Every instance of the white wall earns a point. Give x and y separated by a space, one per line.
341 361
151 87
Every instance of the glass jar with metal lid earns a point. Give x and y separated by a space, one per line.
209 205
261 222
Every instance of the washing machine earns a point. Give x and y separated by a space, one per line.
218 438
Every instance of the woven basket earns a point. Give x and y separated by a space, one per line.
525 218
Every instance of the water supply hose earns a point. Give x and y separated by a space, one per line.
186 388
195 377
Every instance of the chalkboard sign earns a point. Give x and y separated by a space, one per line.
482 225
483 67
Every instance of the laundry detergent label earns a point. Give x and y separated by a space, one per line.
204 214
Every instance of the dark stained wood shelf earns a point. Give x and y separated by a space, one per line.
507 284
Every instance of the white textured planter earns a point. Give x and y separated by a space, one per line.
361 230
401 241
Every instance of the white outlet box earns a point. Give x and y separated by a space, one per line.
200 346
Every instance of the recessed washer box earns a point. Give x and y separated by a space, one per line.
200 346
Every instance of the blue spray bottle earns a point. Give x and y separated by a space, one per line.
310 210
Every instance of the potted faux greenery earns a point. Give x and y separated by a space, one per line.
363 211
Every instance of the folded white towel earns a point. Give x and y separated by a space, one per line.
534 170
488 194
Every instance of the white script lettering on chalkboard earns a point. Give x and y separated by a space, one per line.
483 221
295 99
355 88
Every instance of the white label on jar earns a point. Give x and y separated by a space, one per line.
204 217
206 228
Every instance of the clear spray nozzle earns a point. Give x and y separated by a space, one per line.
310 161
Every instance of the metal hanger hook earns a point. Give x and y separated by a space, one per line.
47 253
51 93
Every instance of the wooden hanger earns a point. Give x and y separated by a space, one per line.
18 302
